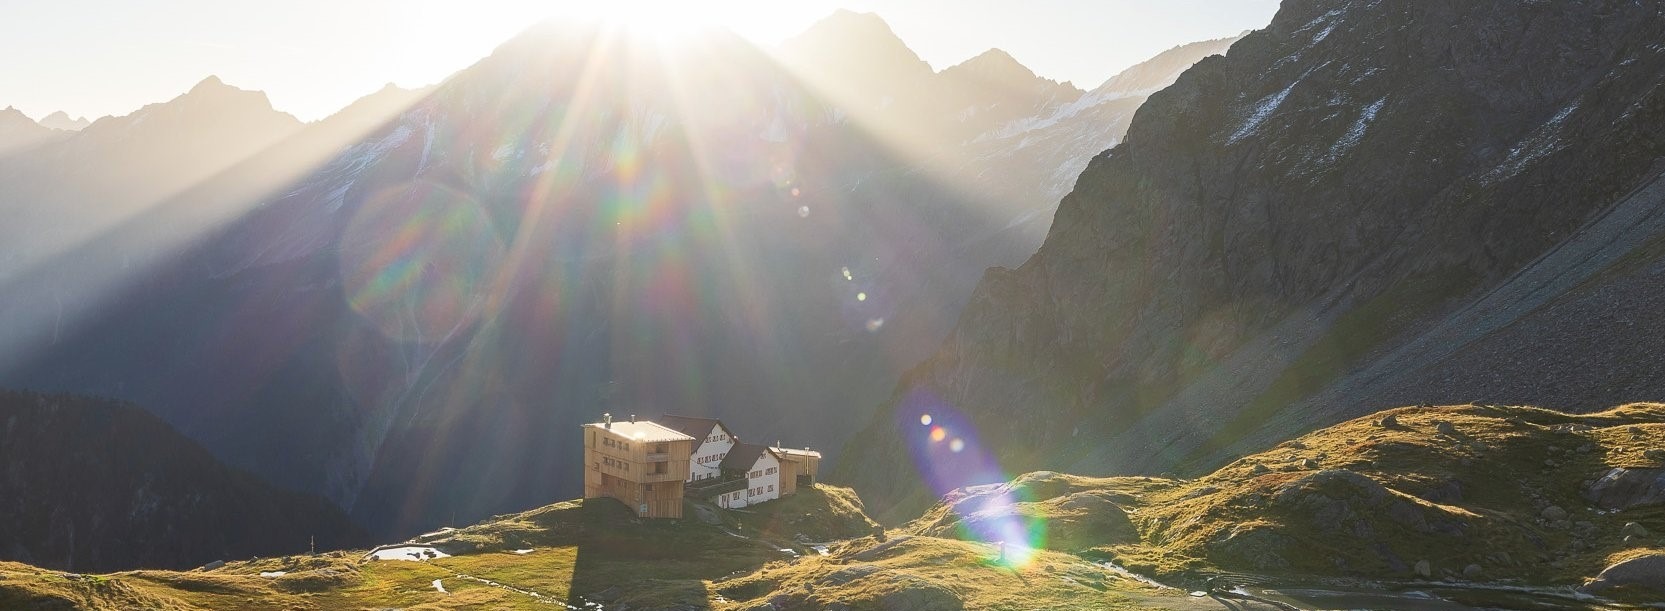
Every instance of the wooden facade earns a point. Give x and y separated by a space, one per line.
805 465
641 464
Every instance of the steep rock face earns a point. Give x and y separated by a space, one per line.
1048 148
93 485
1282 213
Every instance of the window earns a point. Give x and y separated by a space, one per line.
770 471
661 448
595 467
771 487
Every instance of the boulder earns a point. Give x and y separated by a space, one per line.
1424 569
1623 488
1633 529
1642 575
1444 428
1472 571
1554 513
1389 421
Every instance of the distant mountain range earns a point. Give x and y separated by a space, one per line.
96 485
1362 205
409 305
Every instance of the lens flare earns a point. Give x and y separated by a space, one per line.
989 510
418 260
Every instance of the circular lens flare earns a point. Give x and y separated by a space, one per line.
958 468
418 260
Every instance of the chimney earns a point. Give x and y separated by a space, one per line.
607 420
633 418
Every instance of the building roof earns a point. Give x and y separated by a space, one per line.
743 455
694 426
795 453
643 430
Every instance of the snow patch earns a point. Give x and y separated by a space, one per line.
440 586
1261 113
1356 132
273 573
413 553
1541 143
1324 33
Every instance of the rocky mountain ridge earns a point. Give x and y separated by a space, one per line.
1333 189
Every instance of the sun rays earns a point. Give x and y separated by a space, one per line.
589 217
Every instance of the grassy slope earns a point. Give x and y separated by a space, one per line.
1364 500
597 551
1357 500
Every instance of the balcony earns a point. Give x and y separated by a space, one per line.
660 457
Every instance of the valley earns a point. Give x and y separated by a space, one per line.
1358 309
1416 507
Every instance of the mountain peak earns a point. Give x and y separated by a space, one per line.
993 65
213 82
857 36
61 120
847 21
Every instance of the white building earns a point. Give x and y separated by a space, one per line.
712 443
759 467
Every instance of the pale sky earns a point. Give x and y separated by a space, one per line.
99 57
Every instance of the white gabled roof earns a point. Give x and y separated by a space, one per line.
643 431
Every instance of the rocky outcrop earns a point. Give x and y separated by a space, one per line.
1641 577
1283 218
1622 488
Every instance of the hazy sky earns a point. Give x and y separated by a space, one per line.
98 57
